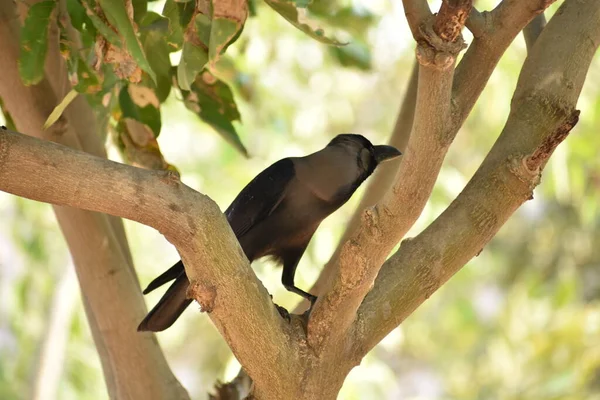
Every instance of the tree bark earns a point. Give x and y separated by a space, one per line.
97 242
542 114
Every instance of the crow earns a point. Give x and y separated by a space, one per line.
278 212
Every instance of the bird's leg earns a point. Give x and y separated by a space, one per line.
287 278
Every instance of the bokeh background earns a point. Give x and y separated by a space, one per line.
521 321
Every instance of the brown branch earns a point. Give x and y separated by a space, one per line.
503 24
417 12
542 114
79 113
381 180
533 29
240 306
94 241
476 23
382 227
451 18
360 258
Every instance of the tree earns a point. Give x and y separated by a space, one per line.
363 296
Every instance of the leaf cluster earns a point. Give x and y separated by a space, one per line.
127 58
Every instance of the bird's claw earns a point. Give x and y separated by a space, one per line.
313 300
283 312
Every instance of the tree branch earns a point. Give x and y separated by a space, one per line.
533 29
542 114
502 26
417 12
490 43
222 281
381 180
383 177
103 265
451 18
476 23
362 255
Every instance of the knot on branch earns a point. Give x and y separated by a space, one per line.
435 51
528 168
546 148
354 265
529 176
204 294
170 177
370 221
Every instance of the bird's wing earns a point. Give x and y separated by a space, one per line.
260 197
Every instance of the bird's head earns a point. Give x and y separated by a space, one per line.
367 155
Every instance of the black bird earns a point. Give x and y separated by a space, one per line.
277 213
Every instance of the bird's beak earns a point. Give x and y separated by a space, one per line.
385 153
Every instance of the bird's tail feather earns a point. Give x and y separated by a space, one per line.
169 308
168 275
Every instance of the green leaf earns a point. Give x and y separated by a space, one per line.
76 14
202 24
81 76
290 13
355 54
153 30
34 42
193 59
147 113
212 100
354 20
140 7
179 15
82 22
102 28
88 80
59 109
205 38
117 15
222 33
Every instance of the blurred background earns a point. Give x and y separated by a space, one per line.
521 321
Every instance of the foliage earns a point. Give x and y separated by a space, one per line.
520 321
128 44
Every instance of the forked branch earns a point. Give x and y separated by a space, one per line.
542 114
382 226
